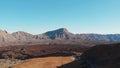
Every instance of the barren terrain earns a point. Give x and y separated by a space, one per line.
48 62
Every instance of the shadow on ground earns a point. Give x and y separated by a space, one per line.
75 64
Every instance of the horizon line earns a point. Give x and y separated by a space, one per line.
58 29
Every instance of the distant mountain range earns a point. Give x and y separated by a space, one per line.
59 36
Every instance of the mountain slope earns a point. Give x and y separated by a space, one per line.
64 34
41 37
23 36
59 36
61 33
6 37
103 56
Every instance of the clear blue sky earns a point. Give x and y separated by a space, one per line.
78 16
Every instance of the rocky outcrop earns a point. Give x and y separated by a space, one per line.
103 56
41 37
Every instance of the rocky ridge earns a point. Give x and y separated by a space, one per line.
61 34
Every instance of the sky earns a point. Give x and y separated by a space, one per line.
78 16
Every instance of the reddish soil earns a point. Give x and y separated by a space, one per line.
48 62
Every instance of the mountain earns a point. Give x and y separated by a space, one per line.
41 37
6 37
61 33
59 36
64 34
23 36
100 37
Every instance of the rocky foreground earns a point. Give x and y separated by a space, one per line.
99 56
103 56
6 63
12 55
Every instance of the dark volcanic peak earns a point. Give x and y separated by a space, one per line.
61 33
61 30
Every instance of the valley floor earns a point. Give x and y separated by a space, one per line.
46 62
